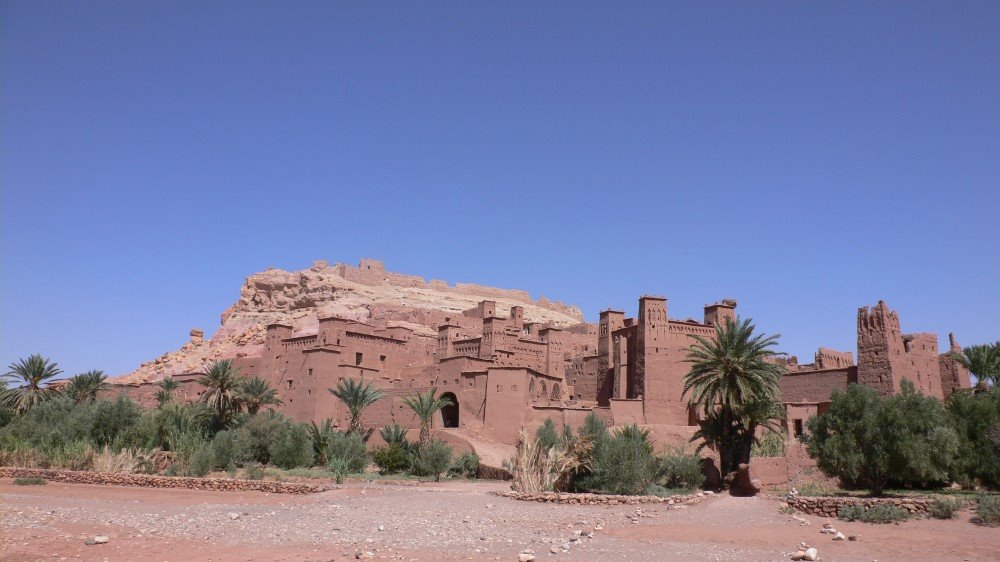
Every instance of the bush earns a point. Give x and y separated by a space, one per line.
33 481
622 463
293 448
656 490
434 458
253 471
201 461
347 454
882 513
391 459
255 436
393 434
546 435
944 508
224 451
866 439
977 421
681 470
6 415
116 423
987 510
772 444
465 466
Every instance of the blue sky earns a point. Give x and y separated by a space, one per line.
804 158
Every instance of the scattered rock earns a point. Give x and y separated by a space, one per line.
799 555
525 557
234 516
839 537
554 549
811 554
854 537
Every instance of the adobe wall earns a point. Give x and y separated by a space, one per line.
815 386
954 376
886 356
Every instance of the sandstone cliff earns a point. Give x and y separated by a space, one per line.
366 293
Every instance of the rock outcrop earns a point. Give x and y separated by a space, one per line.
367 293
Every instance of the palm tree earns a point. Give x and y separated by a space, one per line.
255 393
321 435
425 406
166 392
734 380
85 386
31 373
222 381
982 361
356 396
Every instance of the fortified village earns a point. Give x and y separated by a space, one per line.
507 361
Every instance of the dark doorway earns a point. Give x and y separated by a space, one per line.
449 414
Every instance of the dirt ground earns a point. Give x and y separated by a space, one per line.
446 521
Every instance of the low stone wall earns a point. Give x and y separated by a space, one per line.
493 472
830 506
150 481
605 499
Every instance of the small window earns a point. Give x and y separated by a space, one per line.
289 383
310 372
798 428
381 359
358 357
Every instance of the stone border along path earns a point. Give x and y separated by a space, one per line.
151 481
606 499
829 506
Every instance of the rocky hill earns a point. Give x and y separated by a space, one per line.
366 293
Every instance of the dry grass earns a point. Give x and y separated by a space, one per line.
537 470
126 461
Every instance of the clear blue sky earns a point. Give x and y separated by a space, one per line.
805 158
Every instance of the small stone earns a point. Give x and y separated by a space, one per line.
554 549
101 539
854 537
381 527
827 526
525 557
799 555
839 537
234 516
811 554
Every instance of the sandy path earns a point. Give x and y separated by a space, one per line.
447 521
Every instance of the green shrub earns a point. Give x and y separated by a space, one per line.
6 415
987 510
293 448
253 471
850 440
255 436
465 466
346 452
977 420
224 451
881 513
944 508
434 458
393 434
201 461
656 490
32 481
772 444
622 463
681 470
546 435
116 423
391 459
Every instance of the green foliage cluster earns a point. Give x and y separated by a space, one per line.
907 439
465 466
881 513
944 508
976 419
988 510
615 462
30 481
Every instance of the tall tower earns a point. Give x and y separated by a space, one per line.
610 321
651 347
886 356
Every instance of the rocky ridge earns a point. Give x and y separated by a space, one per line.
366 293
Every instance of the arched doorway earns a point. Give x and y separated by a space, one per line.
449 414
